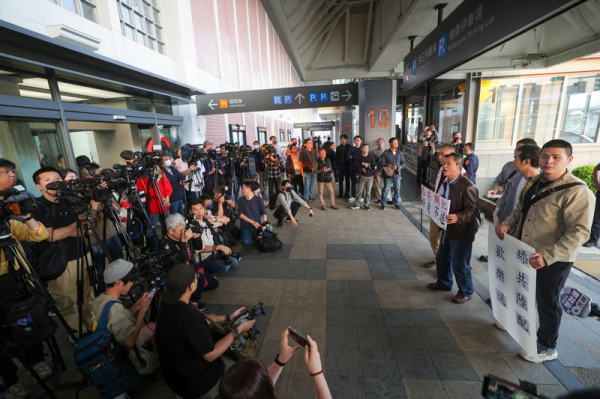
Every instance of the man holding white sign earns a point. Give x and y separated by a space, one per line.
454 254
554 216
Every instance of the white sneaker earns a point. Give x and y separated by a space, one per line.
499 326
17 391
43 370
351 199
543 356
361 200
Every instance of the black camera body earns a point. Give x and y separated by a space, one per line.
192 224
79 192
193 153
256 310
15 207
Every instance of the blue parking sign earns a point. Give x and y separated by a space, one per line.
442 42
277 100
288 99
414 66
313 97
325 96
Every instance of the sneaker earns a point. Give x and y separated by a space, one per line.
382 207
288 220
397 207
542 356
351 199
17 391
201 306
361 200
43 370
367 207
355 206
499 326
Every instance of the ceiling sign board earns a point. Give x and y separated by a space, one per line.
276 99
474 27
314 125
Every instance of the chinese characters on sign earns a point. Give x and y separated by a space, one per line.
435 206
512 288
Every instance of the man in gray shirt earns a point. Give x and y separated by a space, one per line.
508 170
377 152
288 203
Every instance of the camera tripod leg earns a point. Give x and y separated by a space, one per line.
36 377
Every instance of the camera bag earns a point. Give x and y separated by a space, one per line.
103 362
49 259
219 329
28 318
268 242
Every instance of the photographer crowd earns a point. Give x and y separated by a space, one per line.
167 225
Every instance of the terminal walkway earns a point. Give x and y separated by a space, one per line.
353 281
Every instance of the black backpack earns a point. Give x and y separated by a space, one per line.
49 259
28 318
268 242
273 199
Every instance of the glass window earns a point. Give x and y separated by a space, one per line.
540 100
497 111
146 18
582 110
76 93
13 83
447 112
414 120
166 105
85 8
31 145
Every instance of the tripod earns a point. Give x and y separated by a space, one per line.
31 282
135 198
197 182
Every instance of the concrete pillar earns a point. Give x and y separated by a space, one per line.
377 110
346 124
470 107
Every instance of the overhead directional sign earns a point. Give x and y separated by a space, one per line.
474 27
313 125
276 99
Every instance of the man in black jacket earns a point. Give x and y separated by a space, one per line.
343 166
454 254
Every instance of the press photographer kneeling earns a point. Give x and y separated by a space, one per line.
190 360
179 242
214 257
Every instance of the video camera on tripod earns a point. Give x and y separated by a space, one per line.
192 153
79 192
17 206
152 267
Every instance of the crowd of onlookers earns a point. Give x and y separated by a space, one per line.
191 214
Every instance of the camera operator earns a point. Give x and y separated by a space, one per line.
60 220
273 141
107 231
252 212
251 375
127 157
274 167
213 258
425 152
190 360
226 160
457 141
164 194
214 174
177 181
129 330
288 203
258 158
30 230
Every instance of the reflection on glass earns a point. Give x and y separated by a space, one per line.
414 120
139 21
14 83
69 5
88 11
149 27
497 109
447 112
76 93
30 145
129 32
582 110
540 100
125 14
140 37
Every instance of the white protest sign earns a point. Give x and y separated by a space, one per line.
512 288
435 206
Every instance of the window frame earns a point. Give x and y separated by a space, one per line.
154 40
79 8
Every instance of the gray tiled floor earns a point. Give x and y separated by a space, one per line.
353 281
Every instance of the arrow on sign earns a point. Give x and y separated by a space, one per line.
211 105
299 97
348 96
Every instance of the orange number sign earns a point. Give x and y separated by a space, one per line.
382 122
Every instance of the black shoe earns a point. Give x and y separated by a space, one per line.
397 207
590 244
382 207
340 196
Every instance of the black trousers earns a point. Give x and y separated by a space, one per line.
274 184
422 168
280 214
596 222
550 282
344 175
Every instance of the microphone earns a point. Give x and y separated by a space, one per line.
577 304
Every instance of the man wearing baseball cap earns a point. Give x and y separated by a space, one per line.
190 360
128 329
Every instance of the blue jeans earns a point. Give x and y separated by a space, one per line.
176 207
309 185
115 250
247 234
394 182
218 266
455 255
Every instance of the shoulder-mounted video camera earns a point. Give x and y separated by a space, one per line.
15 206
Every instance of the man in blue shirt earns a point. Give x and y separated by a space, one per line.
471 162
392 162
253 214
175 178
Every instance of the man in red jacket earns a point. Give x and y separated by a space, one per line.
156 210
